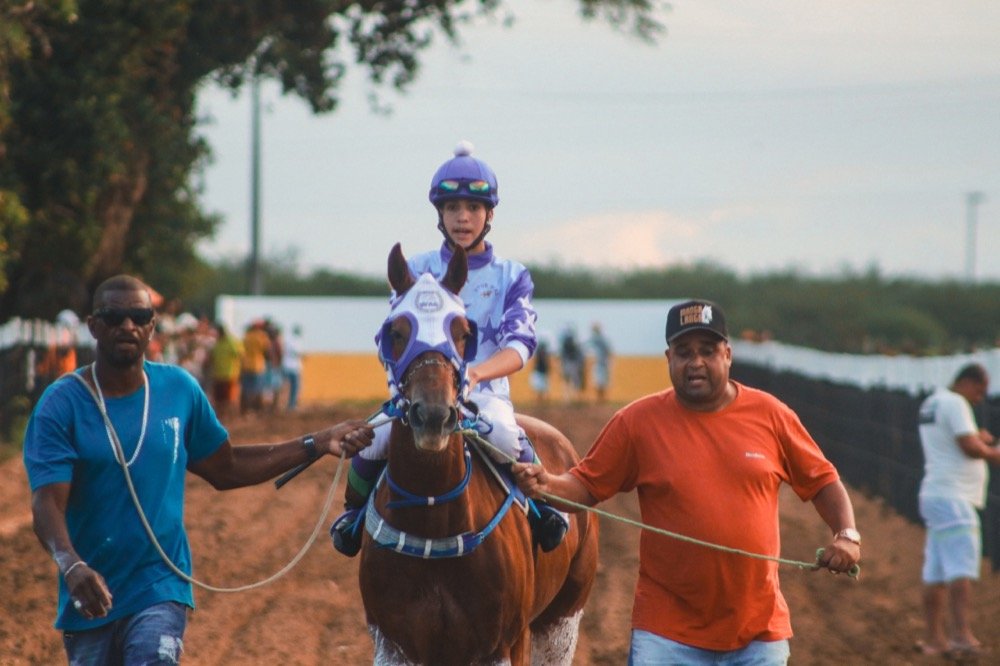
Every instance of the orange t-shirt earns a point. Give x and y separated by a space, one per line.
715 477
256 345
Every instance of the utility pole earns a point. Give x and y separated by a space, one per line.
972 200
253 267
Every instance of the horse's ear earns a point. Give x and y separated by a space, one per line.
399 272
458 271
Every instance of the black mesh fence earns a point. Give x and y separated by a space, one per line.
871 436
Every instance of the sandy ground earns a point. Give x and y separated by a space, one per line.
314 616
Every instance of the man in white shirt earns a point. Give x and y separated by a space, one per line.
956 453
291 365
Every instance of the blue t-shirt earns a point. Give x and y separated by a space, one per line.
66 442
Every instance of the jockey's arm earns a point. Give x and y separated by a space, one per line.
537 483
504 362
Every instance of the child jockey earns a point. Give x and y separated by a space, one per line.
497 296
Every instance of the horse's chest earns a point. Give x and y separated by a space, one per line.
444 594
467 609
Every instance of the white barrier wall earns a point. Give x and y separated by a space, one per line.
910 373
634 328
348 324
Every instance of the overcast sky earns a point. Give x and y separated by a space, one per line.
762 135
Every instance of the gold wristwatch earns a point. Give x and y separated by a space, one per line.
850 534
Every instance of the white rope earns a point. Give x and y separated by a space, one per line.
853 572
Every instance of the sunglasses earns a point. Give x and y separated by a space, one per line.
474 186
117 316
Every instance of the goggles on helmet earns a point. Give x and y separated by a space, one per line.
472 187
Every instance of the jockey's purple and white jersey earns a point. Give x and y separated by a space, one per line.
497 296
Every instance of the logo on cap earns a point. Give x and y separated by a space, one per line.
696 314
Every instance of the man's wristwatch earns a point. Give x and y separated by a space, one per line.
310 445
850 534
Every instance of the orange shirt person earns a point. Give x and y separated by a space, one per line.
256 345
707 458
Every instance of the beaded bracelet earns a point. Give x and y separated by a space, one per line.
73 566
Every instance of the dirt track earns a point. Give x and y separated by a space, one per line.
313 615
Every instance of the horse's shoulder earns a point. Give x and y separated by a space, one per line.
553 447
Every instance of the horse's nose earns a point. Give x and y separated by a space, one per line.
425 417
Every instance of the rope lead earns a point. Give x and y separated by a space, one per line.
853 572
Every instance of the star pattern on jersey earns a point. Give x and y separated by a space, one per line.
526 326
489 332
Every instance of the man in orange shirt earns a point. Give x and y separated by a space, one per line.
707 458
256 346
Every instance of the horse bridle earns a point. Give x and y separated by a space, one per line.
426 362
403 404
430 308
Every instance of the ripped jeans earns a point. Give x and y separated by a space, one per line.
151 636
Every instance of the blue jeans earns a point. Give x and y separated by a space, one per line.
652 650
151 636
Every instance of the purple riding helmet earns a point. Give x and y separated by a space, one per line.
464 177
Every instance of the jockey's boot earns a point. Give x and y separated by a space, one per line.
346 530
548 524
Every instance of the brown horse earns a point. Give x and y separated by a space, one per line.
459 581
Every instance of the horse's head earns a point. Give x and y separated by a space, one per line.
425 344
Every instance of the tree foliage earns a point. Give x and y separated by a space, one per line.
97 126
20 31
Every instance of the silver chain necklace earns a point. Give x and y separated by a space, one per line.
108 427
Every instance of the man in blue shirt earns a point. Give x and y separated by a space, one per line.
119 601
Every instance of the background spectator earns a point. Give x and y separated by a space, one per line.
224 361
601 349
291 363
571 363
957 453
253 369
540 372
274 377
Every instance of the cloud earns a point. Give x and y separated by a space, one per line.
628 239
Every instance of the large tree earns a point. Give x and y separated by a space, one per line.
20 29
100 141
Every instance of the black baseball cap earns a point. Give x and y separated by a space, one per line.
696 315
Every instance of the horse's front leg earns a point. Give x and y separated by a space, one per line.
520 651
555 643
387 653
